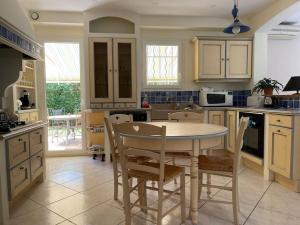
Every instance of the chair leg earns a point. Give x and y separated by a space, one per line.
235 202
160 203
141 194
200 185
116 185
126 201
174 164
182 195
208 183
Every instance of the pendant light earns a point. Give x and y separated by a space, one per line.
236 27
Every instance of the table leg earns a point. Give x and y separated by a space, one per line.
194 185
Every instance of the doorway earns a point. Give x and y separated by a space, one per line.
63 96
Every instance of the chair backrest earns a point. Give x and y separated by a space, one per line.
239 142
109 121
56 112
127 134
187 116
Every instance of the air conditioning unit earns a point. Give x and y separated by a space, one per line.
285 31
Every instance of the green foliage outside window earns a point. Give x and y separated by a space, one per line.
64 96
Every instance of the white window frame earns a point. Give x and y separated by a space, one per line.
162 42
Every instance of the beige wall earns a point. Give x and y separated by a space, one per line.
185 37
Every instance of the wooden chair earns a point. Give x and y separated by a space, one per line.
183 117
224 163
157 170
109 121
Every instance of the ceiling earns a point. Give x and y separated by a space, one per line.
217 8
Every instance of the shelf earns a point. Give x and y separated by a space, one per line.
24 86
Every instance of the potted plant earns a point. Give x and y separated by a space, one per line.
267 85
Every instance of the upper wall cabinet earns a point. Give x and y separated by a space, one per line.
222 59
112 71
109 24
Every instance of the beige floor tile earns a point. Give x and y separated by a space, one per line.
266 217
73 205
66 222
49 195
101 193
41 216
100 215
63 177
23 207
89 181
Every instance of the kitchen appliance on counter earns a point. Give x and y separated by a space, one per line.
9 122
256 101
215 98
254 134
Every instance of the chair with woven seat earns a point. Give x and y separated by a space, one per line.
224 163
115 157
156 170
109 121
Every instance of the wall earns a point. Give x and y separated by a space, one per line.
185 37
283 59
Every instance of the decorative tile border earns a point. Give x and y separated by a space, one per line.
161 97
16 39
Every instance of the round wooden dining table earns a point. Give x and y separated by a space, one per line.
189 137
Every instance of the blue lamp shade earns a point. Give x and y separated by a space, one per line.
236 27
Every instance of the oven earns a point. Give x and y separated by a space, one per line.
215 98
254 134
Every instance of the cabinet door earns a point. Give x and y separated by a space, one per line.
36 141
211 59
231 125
101 76
36 165
124 70
217 118
19 178
280 149
238 59
18 149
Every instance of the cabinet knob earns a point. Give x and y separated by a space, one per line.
227 59
278 131
38 156
222 59
20 139
37 133
278 121
21 168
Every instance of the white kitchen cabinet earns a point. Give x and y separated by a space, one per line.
222 59
238 59
112 70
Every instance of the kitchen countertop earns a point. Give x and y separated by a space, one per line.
258 110
23 129
118 109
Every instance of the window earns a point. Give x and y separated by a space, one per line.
162 65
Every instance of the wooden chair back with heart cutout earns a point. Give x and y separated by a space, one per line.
126 133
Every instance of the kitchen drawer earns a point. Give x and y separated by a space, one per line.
34 116
36 165
36 141
280 120
19 178
18 149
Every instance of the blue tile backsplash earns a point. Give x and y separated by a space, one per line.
292 102
156 97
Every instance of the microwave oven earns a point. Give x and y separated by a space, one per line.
215 98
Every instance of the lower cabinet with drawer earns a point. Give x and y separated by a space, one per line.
26 161
280 150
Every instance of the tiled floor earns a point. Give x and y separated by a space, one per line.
79 190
